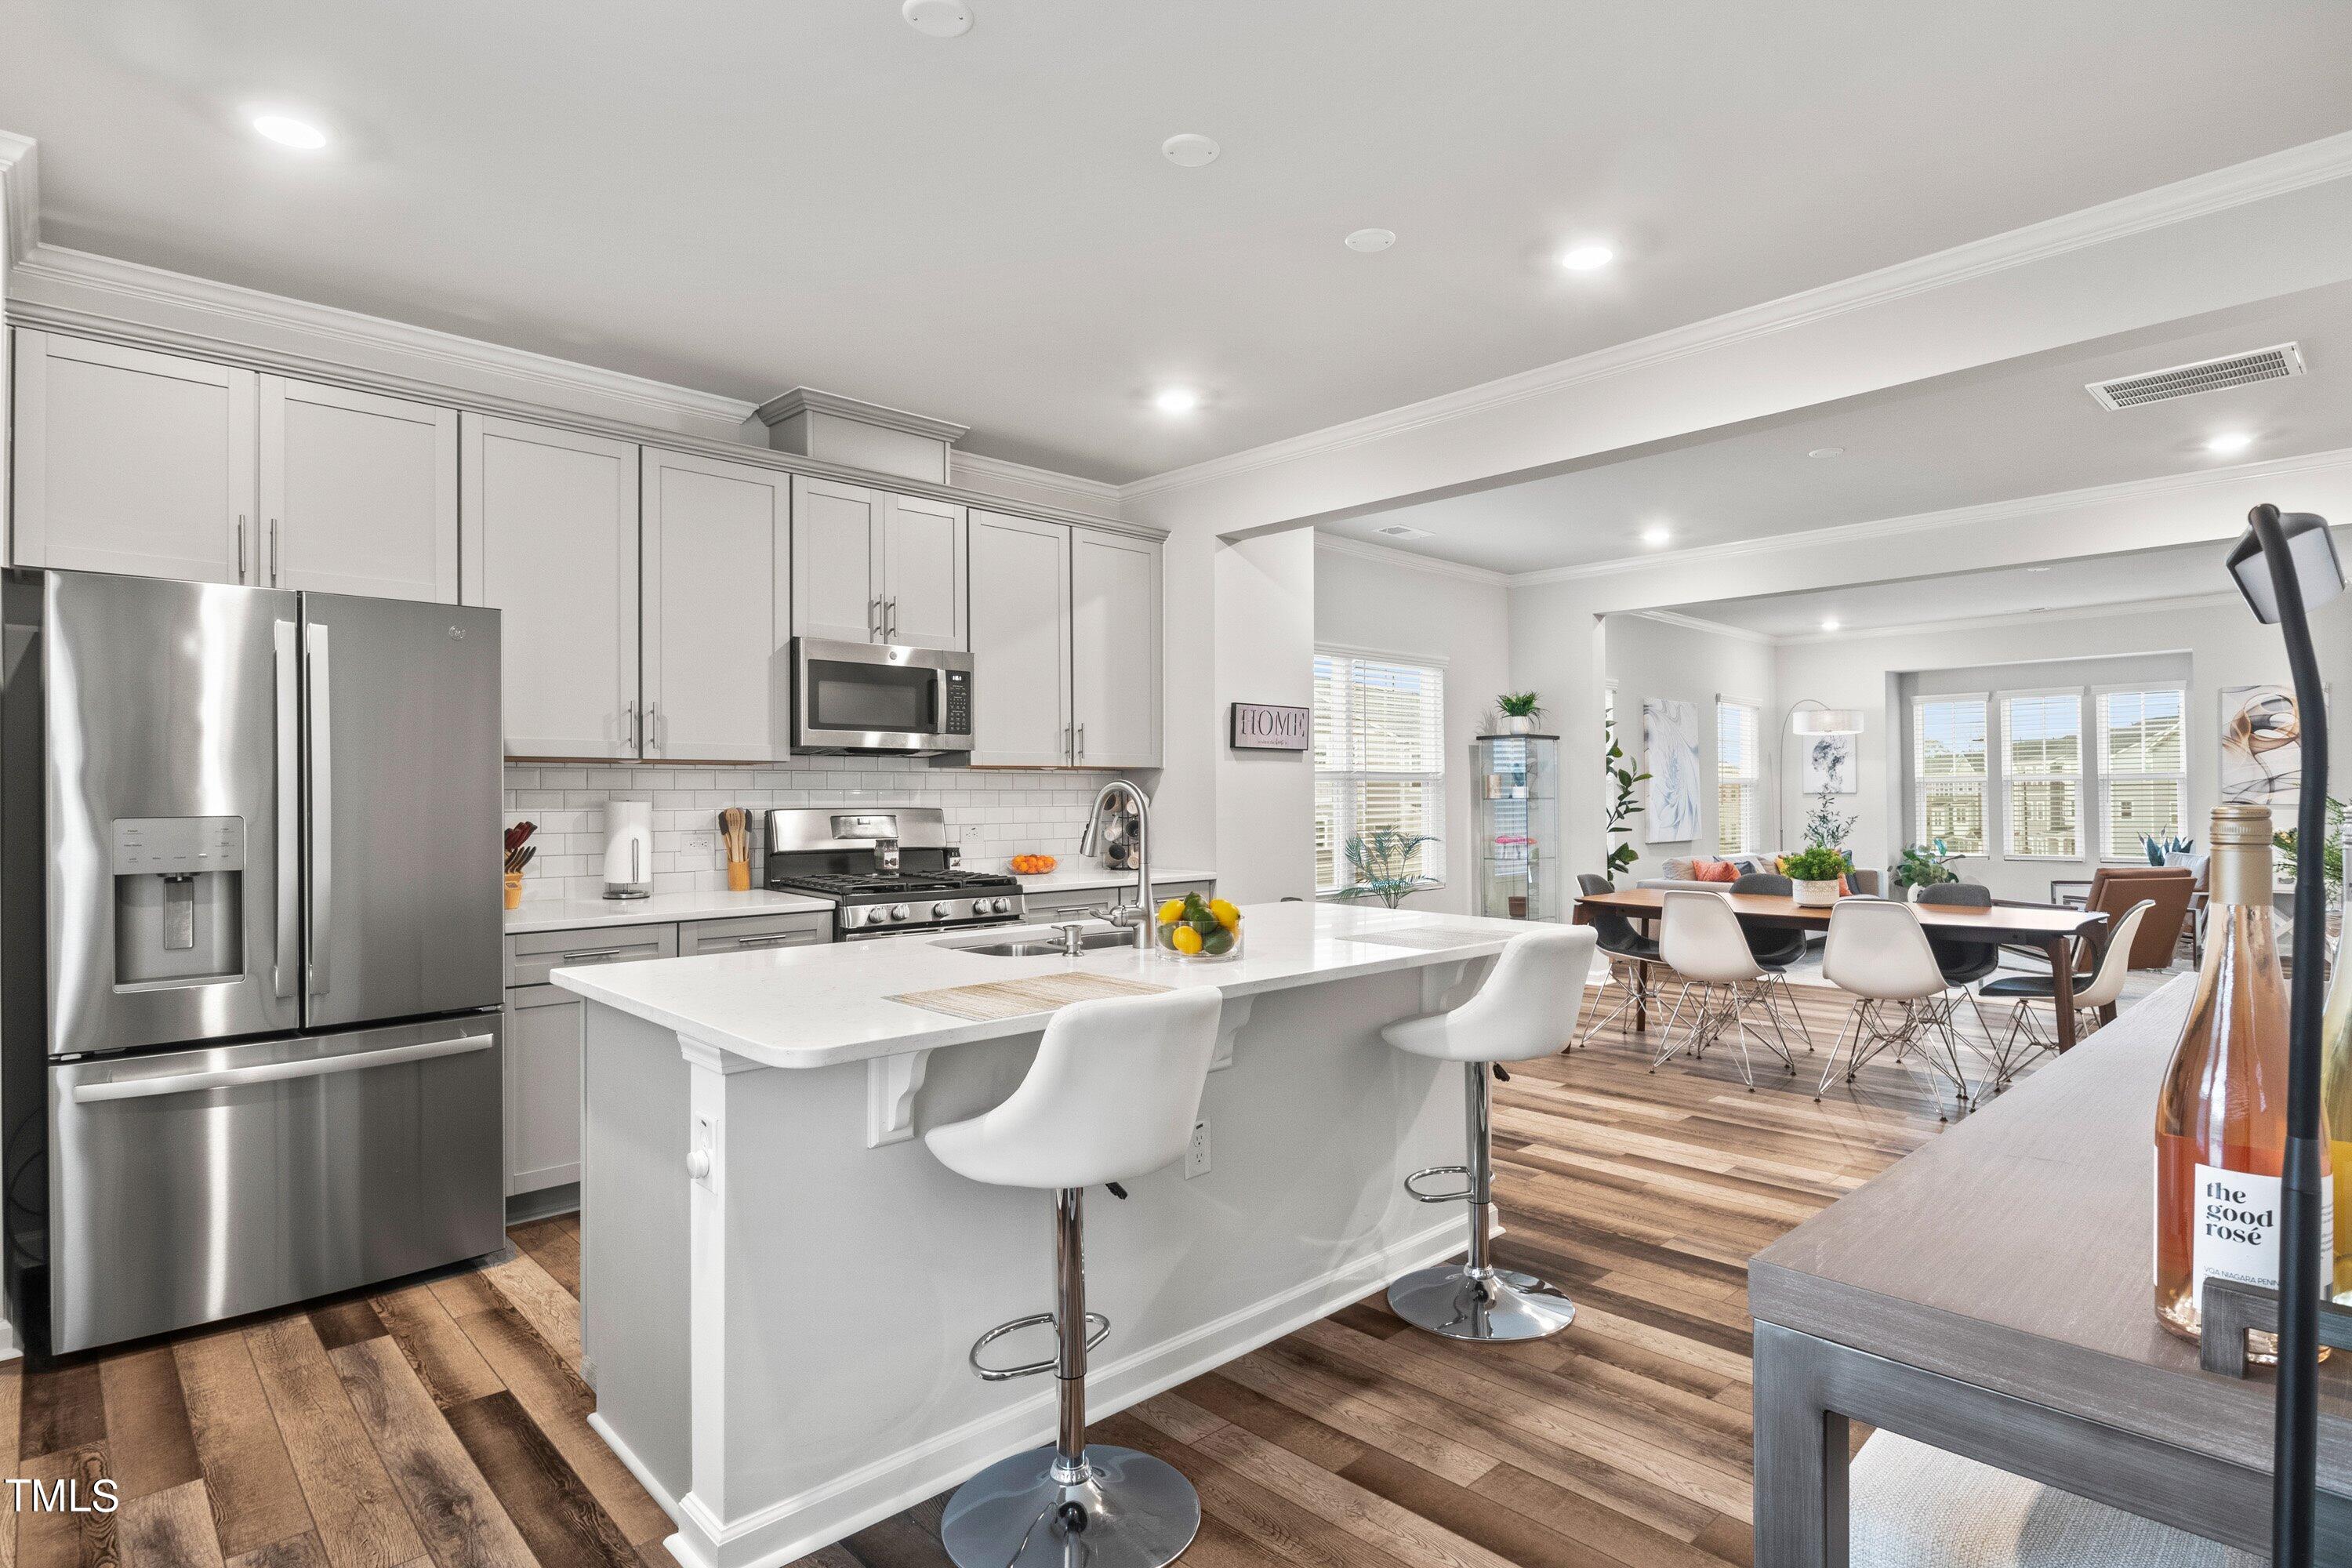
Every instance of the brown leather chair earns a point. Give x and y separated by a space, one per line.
2115 889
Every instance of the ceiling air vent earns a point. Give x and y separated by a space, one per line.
2205 375
1399 531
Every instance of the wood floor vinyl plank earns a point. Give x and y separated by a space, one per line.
554 1244
61 1405
1365 1515
552 1312
452 1507
12 1388
1509 1535
295 1552
359 1518
445 1360
58 1537
1370 1424
559 1518
464 1293
255 1498
340 1323
1176 1414
147 1437
1244 1407
170 1528
1733 1539
1571 1513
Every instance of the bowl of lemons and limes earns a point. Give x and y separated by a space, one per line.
1193 927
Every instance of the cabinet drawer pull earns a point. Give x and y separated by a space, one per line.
776 941
598 952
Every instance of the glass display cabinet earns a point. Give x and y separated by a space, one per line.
1516 815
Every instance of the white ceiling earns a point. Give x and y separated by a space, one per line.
741 195
2025 427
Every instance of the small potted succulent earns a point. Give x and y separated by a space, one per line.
1815 870
1521 711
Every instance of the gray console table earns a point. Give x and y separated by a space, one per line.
1991 1296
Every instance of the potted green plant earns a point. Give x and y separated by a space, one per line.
1925 866
1383 861
1623 809
1815 870
1521 709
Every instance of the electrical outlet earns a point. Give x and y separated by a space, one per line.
1196 1153
971 838
703 844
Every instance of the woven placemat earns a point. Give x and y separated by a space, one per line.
1013 998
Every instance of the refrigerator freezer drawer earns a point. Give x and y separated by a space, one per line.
194 1186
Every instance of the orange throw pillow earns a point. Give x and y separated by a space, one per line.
1714 871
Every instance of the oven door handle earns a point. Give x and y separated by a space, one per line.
275 1073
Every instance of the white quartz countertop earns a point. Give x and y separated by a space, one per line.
1071 876
815 1006
583 914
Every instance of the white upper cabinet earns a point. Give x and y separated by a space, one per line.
551 540
128 460
1020 623
870 567
359 493
923 571
1115 650
717 601
836 561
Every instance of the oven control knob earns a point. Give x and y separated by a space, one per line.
898 912
999 907
942 911
852 917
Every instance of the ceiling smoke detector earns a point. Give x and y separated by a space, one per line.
1403 531
2205 375
937 18
1189 149
1371 239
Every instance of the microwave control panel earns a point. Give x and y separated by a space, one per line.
958 718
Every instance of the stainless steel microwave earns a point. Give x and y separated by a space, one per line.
874 696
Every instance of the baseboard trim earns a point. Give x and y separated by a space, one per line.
796 1526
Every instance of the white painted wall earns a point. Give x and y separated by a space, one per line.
1651 659
1389 601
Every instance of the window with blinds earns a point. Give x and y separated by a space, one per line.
1380 758
1738 774
1949 763
2042 758
2143 768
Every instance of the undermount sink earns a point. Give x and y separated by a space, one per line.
1045 946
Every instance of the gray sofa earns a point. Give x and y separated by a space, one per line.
1676 872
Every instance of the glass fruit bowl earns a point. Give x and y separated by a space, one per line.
1199 930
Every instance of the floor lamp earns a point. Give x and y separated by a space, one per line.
2286 566
1809 716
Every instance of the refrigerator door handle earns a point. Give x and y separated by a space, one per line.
274 1072
322 814
288 953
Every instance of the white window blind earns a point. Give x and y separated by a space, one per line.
1948 762
1738 773
2042 758
1380 758
2143 768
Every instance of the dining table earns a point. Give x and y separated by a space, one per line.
2053 930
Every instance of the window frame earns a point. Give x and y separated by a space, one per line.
1347 782
1982 785
2010 778
2109 777
1751 780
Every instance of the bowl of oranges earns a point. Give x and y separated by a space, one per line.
1193 927
1032 865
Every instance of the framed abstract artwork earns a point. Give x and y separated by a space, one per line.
1670 753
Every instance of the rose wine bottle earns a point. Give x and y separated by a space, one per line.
2221 1117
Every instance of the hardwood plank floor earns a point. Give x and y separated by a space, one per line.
446 1423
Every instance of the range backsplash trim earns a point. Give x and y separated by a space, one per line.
996 814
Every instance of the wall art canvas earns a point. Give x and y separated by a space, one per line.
1670 753
1829 764
2262 748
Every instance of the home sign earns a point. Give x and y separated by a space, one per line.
1269 726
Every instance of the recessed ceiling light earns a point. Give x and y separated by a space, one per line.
1187 151
1371 239
288 132
1826 452
1404 531
1587 258
2228 443
937 18
1176 400
1829 625
1658 533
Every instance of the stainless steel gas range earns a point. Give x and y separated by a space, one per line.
888 870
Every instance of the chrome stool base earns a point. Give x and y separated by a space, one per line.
1507 1306
1129 1510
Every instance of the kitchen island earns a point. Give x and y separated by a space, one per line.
779 1285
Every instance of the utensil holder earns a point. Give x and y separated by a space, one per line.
739 876
514 890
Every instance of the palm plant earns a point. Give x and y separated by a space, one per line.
1383 861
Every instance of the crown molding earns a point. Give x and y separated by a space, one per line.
1363 550
1696 623
975 471
2123 491
20 196
2312 163
2176 605
811 400
77 290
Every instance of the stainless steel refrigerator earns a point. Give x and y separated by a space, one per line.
249 947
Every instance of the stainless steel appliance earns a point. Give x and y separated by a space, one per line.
875 697
249 953
889 869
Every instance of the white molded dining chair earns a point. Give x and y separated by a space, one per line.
1702 942
2025 1039
1879 954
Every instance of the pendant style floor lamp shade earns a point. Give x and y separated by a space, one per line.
2317 568
1826 722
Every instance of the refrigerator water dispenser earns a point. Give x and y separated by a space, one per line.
179 890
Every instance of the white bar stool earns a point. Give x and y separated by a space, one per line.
1112 1095
1526 1008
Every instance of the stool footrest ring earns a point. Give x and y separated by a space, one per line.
1029 1369
1461 1196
